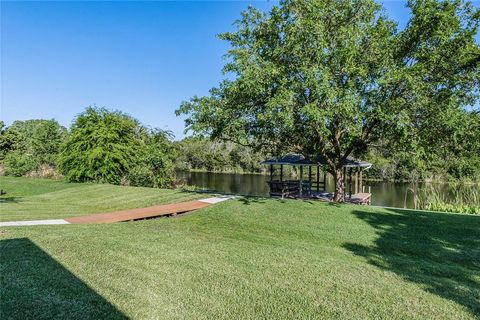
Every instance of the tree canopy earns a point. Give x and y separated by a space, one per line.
25 145
101 147
217 156
112 147
327 77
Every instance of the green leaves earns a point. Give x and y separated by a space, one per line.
25 145
202 154
101 147
331 77
110 146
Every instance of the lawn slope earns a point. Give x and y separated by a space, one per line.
248 259
32 199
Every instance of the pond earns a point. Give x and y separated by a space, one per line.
390 194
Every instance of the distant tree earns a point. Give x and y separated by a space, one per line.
203 154
102 146
155 167
327 77
5 143
25 145
458 149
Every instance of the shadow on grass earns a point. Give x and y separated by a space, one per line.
437 250
198 191
257 199
334 204
35 286
9 199
251 199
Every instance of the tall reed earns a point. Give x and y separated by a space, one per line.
461 199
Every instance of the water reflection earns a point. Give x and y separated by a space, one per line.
388 194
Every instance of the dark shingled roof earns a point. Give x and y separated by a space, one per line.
290 159
294 159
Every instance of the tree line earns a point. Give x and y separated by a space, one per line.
101 146
112 147
202 154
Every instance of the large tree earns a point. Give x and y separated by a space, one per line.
102 146
111 146
328 77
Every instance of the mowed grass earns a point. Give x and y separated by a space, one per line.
248 259
32 199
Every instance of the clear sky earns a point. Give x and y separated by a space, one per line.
142 58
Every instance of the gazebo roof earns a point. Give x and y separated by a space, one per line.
292 159
295 159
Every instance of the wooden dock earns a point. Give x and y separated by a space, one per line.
141 213
364 198
360 198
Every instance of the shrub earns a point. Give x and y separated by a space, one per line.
41 139
141 176
44 171
456 208
157 158
18 163
464 199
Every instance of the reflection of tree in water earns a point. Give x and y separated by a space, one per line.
35 286
384 193
440 251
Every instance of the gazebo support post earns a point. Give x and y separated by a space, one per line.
356 180
271 172
318 178
350 182
360 182
324 181
300 182
281 173
309 179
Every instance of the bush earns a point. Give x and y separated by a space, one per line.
27 145
44 171
157 158
454 208
463 199
18 163
41 139
141 176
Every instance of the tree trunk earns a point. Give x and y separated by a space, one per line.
339 180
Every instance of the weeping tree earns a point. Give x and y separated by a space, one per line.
112 147
330 77
102 146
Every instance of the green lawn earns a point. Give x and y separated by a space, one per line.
32 199
247 259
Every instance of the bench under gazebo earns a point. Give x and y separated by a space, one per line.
315 185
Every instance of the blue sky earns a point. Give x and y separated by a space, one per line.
142 58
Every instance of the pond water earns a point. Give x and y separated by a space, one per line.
388 194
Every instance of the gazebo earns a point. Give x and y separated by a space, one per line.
315 185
